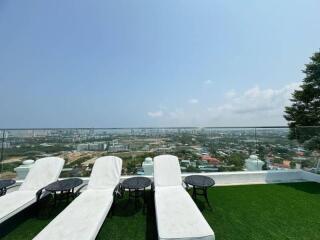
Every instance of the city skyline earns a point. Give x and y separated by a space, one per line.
143 64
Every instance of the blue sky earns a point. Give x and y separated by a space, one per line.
152 63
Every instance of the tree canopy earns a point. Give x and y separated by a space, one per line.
304 113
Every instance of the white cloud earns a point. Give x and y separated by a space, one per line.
155 114
230 94
255 106
256 99
207 82
193 101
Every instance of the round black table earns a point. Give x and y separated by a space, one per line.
4 184
65 187
137 188
200 185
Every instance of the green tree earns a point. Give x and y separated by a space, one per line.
305 107
186 139
192 169
262 151
313 143
236 160
212 149
292 165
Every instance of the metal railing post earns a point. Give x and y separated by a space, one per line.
2 149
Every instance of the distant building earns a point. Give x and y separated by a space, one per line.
5 145
45 145
185 163
97 147
91 147
146 148
210 160
208 168
115 146
222 153
164 149
118 148
82 147
279 166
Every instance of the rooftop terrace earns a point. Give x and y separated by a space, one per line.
281 202
268 211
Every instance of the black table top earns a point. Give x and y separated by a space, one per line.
64 185
136 183
4 183
199 181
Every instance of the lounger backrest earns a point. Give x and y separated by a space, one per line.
167 171
44 172
106 173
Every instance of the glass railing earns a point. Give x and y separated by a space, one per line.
198 149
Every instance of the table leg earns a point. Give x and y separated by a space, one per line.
144 199
68 196
73 196
206 196
129 193
136 196
55 198
2 191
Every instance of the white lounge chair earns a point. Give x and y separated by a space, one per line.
178 217
83 218
44 172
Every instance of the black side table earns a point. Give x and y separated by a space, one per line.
137 188
200 185
4 184
65 187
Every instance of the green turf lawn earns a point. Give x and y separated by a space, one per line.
257 212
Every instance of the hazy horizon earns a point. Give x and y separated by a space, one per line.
152 64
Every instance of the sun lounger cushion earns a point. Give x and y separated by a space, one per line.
167 171
44 172
82 219
15 202
106 173
178 217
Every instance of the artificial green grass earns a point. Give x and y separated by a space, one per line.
265 212
252 212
